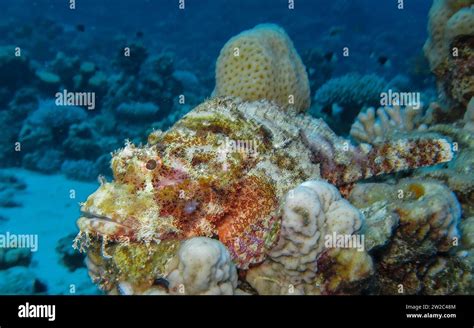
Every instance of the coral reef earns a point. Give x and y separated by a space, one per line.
389 122
301 262
449 49
457 175
448 20
12 257
469 116
351 92
131 63
21 103
344 96
137 111
10 185
239 194
18 281
150 82
45 161
14 69
43 133
78 143
458 81
467 240
319 65
82 169
202 266
71 259
144 93
49 115
262 63
418 256
203 176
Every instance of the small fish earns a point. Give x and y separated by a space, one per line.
329 56
382 60
80 27
139 34
336 30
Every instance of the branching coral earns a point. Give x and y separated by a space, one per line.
262 63
339 99
351 91
375 126
346 95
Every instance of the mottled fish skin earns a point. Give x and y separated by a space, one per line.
222 170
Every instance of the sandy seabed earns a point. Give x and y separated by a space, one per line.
48 210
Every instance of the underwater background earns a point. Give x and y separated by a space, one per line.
50 157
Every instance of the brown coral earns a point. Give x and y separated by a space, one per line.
410 260
449 48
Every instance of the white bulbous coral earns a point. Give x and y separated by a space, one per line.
202 267
311 212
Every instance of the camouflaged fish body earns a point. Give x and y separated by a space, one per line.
222 170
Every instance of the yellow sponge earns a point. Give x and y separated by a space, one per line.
262 63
